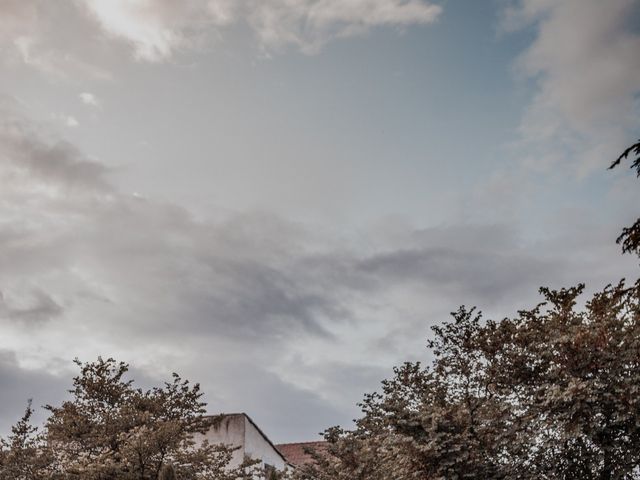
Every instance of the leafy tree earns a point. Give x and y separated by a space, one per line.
110 430
550 394
630 236
23 455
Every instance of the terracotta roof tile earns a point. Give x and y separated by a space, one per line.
297 454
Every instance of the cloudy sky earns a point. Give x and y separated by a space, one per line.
277 198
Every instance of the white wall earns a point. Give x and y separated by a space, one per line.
256 446
229 431
238 430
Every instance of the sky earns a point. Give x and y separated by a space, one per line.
278 198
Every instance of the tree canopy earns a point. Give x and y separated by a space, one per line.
110 430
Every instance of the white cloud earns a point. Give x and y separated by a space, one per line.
309 24
157 28
71 121
586 65
89 99
67 120
35 52
222 12
29 35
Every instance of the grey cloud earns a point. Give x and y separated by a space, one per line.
260 301
585 53
60 161
23 149
253 306
40 307
480 274
479 263
285 411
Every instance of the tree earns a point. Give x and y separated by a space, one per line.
577 372
110 430
167 472
23 455
550 394
630 236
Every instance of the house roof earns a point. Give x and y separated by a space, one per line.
298 454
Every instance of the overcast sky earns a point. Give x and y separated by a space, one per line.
278 198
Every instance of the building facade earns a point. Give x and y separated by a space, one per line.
239 430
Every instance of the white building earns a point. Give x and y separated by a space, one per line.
238 430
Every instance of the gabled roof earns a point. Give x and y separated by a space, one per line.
297 454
